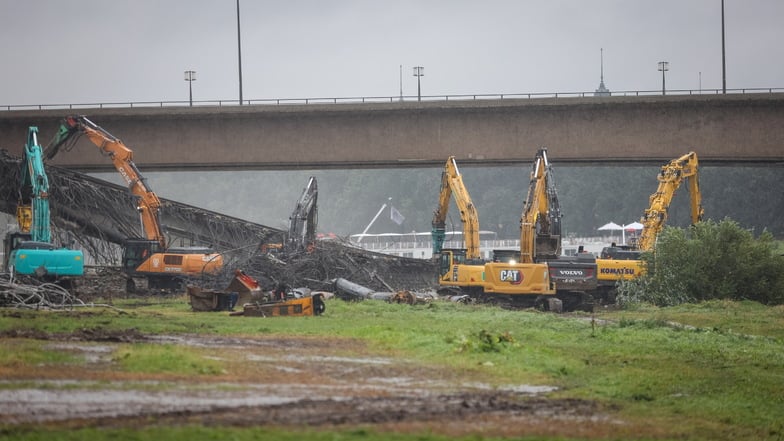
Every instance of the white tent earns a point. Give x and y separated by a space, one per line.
633 226
610 226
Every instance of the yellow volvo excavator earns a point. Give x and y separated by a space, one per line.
463 271
150 259
623 262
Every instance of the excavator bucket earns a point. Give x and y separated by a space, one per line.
548 247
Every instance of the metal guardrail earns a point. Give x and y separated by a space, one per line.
381 99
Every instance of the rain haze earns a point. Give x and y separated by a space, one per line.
90 51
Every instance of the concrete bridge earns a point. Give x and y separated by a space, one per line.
731 129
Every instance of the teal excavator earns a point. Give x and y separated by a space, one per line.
30 250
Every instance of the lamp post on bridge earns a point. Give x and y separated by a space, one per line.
419 72
664 66
190 77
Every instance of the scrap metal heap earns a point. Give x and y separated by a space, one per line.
97 216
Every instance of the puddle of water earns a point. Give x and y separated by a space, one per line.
92 353
24 405
528 389
320 359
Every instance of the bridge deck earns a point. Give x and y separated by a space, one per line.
742 128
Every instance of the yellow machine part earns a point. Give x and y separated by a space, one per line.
518 279
24 217
615 270
463 275
305 306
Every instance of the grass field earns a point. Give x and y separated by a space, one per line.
712 371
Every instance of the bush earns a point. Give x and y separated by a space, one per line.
710 260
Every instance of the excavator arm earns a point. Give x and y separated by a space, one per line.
452 184
148 203
304 219
33 209
670 178
540 223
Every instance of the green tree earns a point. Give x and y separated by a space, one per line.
710 260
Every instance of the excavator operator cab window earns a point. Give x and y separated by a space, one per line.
450 258
445 264
136 252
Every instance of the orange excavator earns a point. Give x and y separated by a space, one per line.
146 260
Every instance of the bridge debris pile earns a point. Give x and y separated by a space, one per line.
334 259
98 216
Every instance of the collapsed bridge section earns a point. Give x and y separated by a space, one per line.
99 216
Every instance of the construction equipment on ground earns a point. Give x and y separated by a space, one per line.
301 235
623 262
540 240
30 250
245 291
462 270
146 261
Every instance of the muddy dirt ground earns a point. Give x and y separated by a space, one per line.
291 382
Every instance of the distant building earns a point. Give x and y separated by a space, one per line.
602 90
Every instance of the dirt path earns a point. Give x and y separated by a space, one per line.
292 382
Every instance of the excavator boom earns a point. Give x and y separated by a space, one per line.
149 259
452 184
122 158
304 219
623 262
670 178
539 230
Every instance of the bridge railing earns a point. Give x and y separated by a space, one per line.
381 99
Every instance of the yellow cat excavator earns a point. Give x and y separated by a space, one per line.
463 271
623 262
540 241
150 260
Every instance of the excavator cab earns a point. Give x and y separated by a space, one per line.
448 258
137 251
12 242
457 270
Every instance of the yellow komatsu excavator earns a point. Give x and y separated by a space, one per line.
462 270
623 262
147 260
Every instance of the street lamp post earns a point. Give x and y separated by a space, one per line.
419 72
664 66
723 59
239 49
190 77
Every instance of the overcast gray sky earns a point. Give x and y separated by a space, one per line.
81 51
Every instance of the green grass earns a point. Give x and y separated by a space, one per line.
21 353
169 359
719 378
